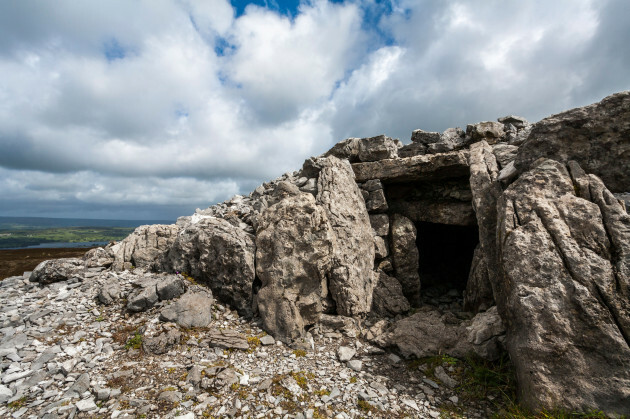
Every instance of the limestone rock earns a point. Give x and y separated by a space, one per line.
405 257
596 136
146 247
425 168
517 121
488 130
347 149
564 294
478 294
226 339
504 153
486 191
57 270
97 258
109 292
487 333
144 297
162 343
169 287
380 224
345 353
218 254
193 309
388 299
376 201
294 244
424 137
380 247
428 333
352 278
377 148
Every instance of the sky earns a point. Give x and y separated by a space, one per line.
148 109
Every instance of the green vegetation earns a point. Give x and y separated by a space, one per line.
10 238
134 342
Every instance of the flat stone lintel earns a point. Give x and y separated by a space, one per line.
425 167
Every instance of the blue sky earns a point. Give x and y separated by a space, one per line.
130 109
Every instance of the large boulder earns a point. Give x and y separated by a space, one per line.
217 253
564 294
146 247
429 333
193 309
57 270
388 299
596 136
486 191
294 247
405 256
352 278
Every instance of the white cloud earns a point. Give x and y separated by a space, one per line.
139 103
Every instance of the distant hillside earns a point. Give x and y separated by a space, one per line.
11 223
22 232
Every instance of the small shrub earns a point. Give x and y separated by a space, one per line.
134 342
299 353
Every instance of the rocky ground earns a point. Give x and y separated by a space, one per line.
65 354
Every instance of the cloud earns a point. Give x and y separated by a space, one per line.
129 108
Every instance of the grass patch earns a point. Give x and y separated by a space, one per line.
134 342
299 353
17 404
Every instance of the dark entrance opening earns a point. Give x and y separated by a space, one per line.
446 253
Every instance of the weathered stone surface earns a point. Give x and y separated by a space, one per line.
146 247
596 136
424 137
98 258
381 248
410 150
564 295
193 309
218 254
346 149
376 201
428 333
162 343
351 278
380 224
5 393
451 139
144 297
487 130
57 270
486 191
405 256
388 299
226 339
427 167
487 333
504 153
377 148
169 287
518 121
294 244
109 292
478 294
345 353
450 212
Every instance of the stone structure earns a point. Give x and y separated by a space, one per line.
524 226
